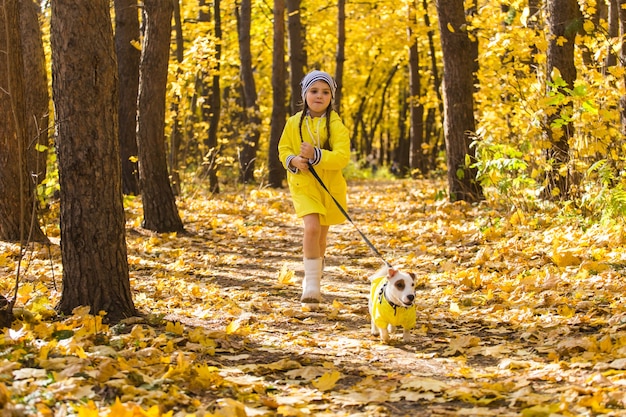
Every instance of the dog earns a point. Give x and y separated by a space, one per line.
391 303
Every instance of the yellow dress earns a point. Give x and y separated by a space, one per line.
307 194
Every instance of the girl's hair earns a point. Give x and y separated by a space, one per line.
305 110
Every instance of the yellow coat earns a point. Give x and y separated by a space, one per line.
307 194
384 314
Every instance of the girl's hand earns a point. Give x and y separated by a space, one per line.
301 163
307 150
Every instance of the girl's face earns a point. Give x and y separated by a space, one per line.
318 98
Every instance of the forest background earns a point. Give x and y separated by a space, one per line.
537 125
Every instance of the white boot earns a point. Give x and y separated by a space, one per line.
311 293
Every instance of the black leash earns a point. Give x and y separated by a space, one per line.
345 213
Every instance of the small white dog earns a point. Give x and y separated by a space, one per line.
391 303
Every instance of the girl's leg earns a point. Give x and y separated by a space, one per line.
313 259
312 236
322 241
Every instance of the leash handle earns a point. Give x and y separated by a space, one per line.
345 213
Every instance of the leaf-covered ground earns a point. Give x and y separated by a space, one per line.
517 315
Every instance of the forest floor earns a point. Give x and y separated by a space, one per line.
517 314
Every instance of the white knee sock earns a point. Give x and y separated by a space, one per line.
311 292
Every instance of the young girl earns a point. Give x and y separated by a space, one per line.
315 138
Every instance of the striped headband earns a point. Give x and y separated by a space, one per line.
314 76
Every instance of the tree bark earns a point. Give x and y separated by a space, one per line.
127 34
564 21
341 55
251 107
432 126
417 160
36 96
18 214
176 128
622 25
297 52
276 170
159 205
458 88
613 33
84 85
214 106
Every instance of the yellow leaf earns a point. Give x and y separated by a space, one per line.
565 258
518 218
454 308
106 370
175 328
119 410
136 44
450 28
206 375
561 41
566 311
606 345
540 410
424 384
89 410
327 381
5 395
460 343
285 276
233 327
289 411
155 411
230 408
81 311
4 260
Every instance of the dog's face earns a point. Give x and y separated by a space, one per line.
401 288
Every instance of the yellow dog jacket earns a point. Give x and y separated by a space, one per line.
384 313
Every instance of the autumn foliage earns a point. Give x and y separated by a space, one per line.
518 314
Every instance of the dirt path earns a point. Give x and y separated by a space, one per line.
485 342
517 314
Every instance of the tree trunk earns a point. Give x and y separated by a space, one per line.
93 245
251 107
276 170
297 53
341 55
613 33
36 96
127 34
380 111
432 126
215 104
18 214
417 160
622 25
159 205
175 132
564 22
399 157
458 88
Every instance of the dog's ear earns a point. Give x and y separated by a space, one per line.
392 272
412 275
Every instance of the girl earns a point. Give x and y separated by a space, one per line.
315 138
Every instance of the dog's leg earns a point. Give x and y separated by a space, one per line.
384 335
374 329
406 335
